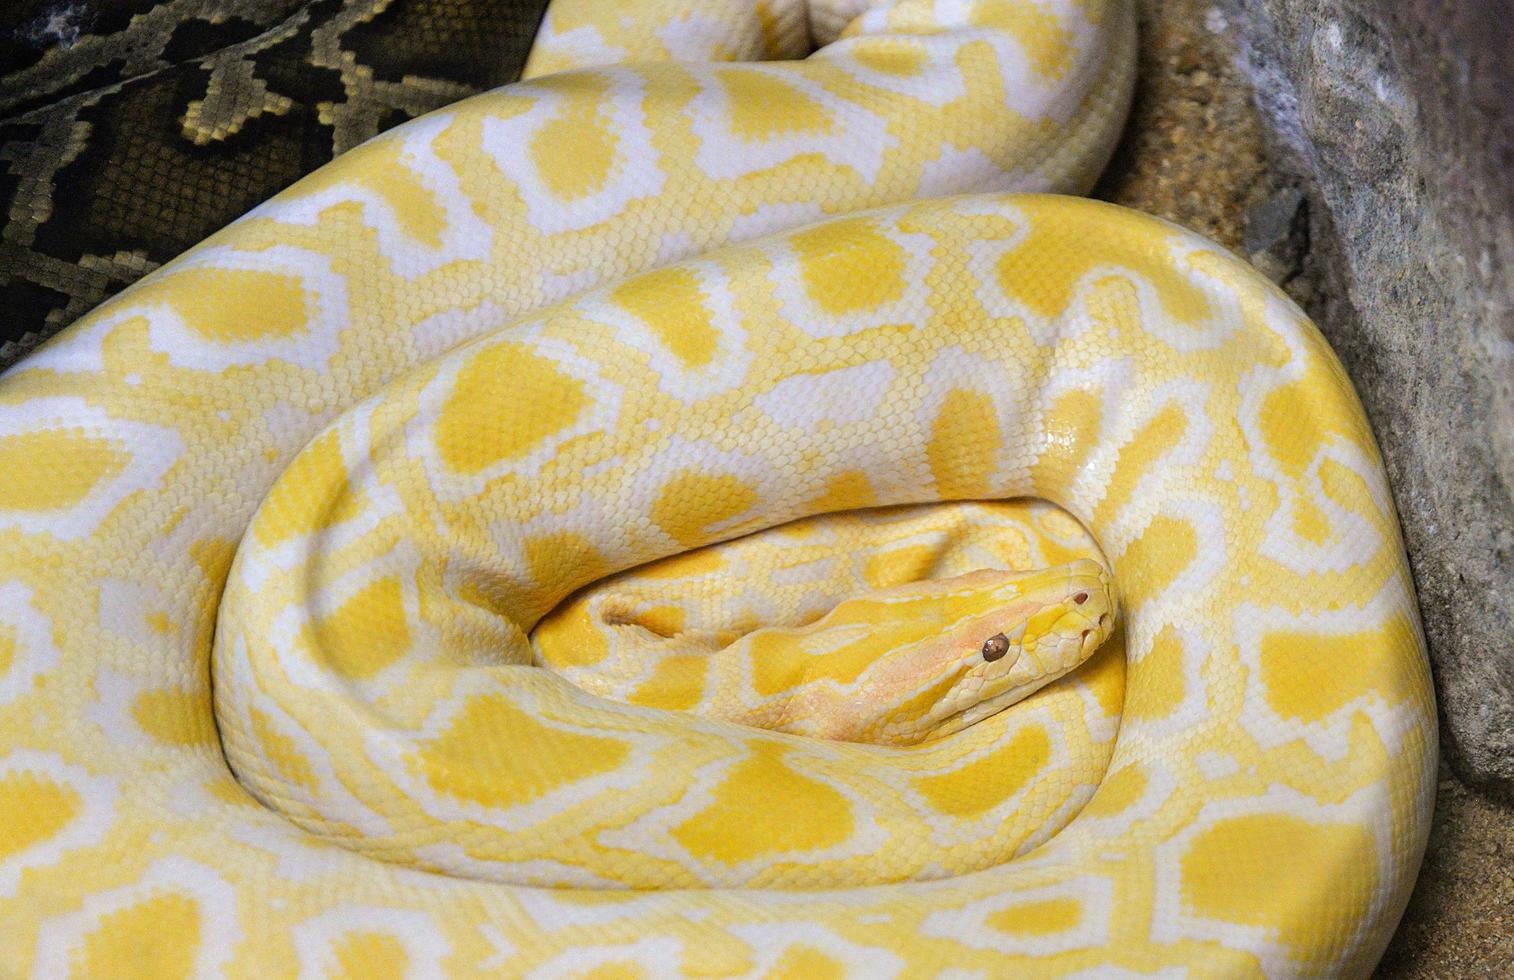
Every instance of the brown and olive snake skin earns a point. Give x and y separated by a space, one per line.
131 129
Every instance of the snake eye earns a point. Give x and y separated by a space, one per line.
995 647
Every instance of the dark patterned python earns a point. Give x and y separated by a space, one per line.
129 129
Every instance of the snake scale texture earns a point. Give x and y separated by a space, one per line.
131 129
314 544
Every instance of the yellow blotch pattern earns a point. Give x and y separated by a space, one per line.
672 304
1104 674
965 445
1118 792
174 717
845 491
905 563
1310 676
780 661
1044 918
1140 456
1280 872
415 207
1069 433
571 638
1346 487
212 303
762 107
317 474
563 559
901 57
213 557
990 779
691 504
1295 446
764 809
1157 688
48 471
464 761
371 956
1046 287
677 683
367 632
660 620
1310 522
849 266
33 809
129 942
469 436
1152 561
801 962
280 751
1046 43
574 152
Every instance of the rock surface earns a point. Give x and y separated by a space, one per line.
1197 152
1395 120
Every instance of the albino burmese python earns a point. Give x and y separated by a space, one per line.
320 543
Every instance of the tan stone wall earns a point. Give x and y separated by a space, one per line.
1208 150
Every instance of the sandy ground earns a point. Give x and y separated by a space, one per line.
1194 153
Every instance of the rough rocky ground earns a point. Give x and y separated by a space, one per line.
1196 153
1395 117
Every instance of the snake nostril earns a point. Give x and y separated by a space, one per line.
1080 598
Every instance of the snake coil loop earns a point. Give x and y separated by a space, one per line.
298 505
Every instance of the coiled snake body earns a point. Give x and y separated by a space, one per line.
279 527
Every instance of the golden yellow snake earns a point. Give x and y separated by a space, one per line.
288 532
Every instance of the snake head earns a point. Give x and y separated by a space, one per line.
1006 635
